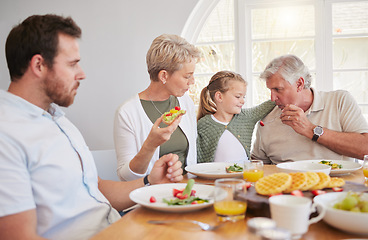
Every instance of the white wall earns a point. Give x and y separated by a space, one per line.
116 36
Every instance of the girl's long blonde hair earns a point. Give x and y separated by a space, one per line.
218 82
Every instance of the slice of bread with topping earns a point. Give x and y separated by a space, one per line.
174 113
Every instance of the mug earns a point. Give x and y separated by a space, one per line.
292 213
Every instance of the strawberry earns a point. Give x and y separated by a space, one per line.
152 199
176 191
177 108
181 196
261 123
297 193
337 189
318 192
248 185
275 194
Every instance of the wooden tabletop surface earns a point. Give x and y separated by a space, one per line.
133 225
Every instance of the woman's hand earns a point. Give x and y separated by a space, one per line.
158 136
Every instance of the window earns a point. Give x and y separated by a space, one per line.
216 40
350 49
330 36
277 30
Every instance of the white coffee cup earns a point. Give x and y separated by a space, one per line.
292 213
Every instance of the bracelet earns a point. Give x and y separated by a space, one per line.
145 181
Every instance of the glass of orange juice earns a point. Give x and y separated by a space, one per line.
253 170
227 205
365 169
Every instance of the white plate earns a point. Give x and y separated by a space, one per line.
347 166
303 166
212 170
142 196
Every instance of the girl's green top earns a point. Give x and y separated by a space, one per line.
241 126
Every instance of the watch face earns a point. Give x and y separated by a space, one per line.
318 130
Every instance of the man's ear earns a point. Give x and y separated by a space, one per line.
300 84
37 65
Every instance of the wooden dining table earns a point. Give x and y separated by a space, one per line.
133 225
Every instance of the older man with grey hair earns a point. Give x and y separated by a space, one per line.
307 124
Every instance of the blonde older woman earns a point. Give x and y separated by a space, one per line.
140 135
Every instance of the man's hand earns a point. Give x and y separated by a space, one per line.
295 117
166 169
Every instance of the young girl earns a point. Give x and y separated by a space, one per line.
224 128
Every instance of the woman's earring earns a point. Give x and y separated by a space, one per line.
163 82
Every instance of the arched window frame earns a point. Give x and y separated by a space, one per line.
243 42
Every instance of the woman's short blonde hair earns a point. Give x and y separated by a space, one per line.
168 52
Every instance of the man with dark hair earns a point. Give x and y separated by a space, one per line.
36 35
49 183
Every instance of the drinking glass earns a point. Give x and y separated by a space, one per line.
253 171
365 169
227 205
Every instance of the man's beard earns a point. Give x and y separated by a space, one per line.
58 92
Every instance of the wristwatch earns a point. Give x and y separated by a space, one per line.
317 132
145 181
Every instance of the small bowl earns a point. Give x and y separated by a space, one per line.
351 222
289 167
